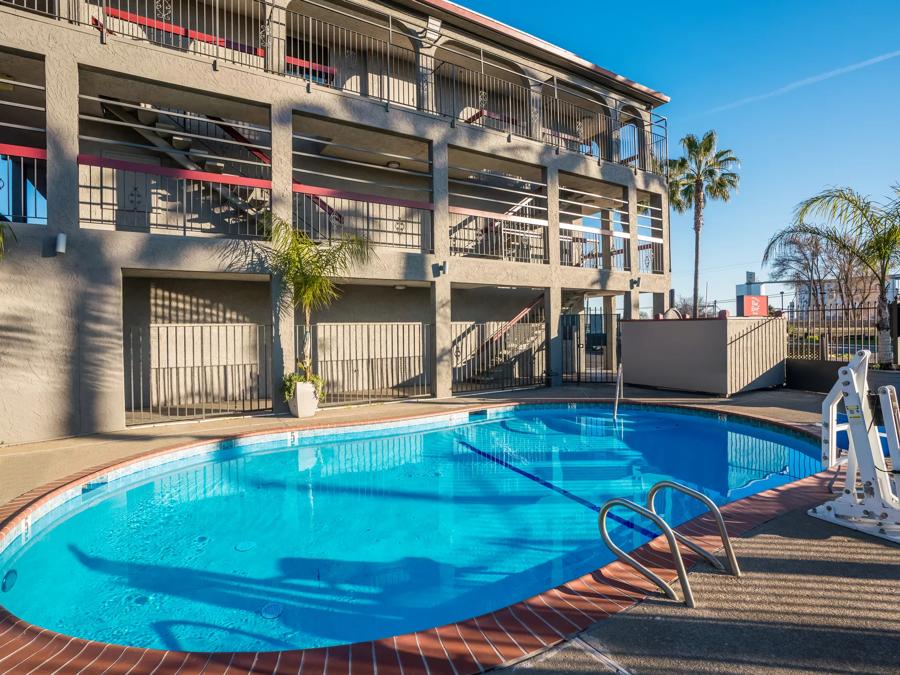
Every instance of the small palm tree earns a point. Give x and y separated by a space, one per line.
308 270
703 173
5 231
861 228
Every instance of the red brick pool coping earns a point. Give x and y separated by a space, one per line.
477 644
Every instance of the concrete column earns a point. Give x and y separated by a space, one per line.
612 328
535 109
552 312
551 240
632 308
274 19
426 95
659 303
633 244
61 72
441 306
441 288
283 315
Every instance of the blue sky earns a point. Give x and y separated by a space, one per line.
826 122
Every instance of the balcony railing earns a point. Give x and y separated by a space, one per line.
139 197
264 36
23 184
500 236
325 215
593 249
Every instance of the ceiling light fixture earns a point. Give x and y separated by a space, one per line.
393 164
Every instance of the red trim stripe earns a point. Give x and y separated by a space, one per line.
22 151
189 33
172 172
303 63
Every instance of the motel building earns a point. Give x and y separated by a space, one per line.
513 193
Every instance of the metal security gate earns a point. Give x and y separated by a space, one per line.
498 355
369 362
184 371
591 344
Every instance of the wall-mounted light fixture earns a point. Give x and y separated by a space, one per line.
444 267
60 243
635 283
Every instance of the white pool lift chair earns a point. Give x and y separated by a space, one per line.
870 498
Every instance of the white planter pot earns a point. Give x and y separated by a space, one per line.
304 402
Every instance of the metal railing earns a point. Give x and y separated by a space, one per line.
672 538
146 198
263 35
23 184
651 256
590 346
181 371
500 236
594 249
630 560
498 355
733 566
832 333
367 362
326 215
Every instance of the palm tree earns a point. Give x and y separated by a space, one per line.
703 173
5 231
861 228
308 269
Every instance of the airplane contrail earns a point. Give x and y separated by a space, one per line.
805 82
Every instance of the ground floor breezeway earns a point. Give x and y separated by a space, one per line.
200 346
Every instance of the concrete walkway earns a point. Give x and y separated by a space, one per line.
26 466
814 598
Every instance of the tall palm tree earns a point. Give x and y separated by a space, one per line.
308 270
703 173
863 229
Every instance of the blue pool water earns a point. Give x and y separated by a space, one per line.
318 540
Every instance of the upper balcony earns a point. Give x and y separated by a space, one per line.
377 57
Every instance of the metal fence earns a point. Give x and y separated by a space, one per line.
591 346
182 371
263 35
367 362
832 334
499 355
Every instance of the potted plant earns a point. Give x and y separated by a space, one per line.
302 390
307 270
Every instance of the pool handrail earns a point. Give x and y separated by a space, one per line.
717 514
629 560
620 390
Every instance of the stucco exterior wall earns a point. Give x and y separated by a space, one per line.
61 318
715 356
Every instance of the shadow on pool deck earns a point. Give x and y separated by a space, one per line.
814 598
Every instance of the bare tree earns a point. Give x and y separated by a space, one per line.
803 260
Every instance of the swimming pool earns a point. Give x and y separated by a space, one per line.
330 537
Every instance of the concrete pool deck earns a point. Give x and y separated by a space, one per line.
569 613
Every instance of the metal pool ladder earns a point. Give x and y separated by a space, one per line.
672 538
620 391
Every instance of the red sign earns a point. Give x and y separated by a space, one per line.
754 305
